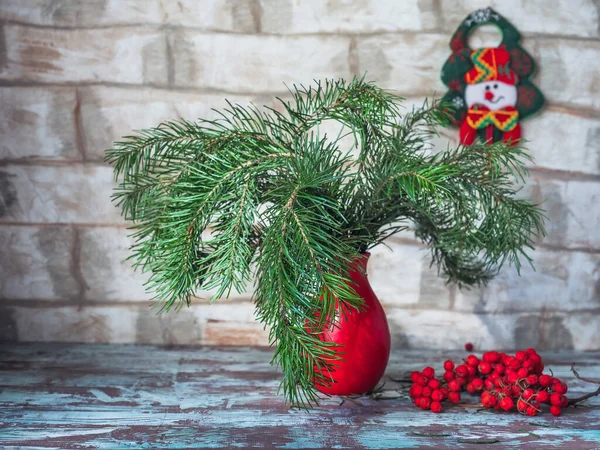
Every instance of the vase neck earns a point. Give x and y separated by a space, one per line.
358 267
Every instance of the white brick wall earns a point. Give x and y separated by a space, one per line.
354 16
568 70
407 63
213 15
118 55
254 63
560 17
60 194
108 113
559 147
37 263
38 123
75 75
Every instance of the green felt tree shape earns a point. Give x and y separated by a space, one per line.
529 98
280 197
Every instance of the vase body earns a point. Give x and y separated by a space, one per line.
364 339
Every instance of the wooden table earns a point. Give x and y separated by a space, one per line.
125 396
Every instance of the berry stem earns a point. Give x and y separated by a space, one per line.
574 401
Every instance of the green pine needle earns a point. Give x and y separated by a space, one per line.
211 200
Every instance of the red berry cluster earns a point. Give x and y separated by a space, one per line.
505 382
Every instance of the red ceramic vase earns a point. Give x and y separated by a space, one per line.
364 338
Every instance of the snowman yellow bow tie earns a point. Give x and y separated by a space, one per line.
480 116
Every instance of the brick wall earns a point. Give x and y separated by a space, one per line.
77 74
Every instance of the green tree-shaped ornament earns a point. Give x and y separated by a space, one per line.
490 88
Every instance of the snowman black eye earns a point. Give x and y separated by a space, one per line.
487 88
495 86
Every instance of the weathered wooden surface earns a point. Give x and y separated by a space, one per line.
123 396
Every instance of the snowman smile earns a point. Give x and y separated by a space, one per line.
497 100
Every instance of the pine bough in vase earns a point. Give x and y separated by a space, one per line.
279 196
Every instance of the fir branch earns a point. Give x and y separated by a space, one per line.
209 200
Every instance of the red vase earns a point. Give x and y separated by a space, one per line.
364 337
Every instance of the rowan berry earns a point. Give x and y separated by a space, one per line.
454 397
499 369
414 376
565 402
477 384
436 407
434 384
489 401
472 371
512 377
555 410
542 397
556 399
422 380
545 380
507 403
437 395
429 372
448 376
527 393
514 364
488 383
535 358
516 390
522 405
472 360
462 370
529 365
493 399
426 392
448 365
470 389
454 385
521 355
485 367
522 373
491 357
445 392
425 402
461 380
531 411
469 347
532 379
560 387
415 390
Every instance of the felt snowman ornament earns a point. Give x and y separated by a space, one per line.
490 90
491 97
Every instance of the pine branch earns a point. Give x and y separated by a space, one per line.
209 200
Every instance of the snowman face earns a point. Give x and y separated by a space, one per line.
493 94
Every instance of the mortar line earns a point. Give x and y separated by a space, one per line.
204 302
323 33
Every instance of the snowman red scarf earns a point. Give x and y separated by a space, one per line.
490 91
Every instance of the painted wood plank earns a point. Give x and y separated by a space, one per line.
124 396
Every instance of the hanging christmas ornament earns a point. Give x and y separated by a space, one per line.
490 88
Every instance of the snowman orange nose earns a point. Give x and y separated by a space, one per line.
489 95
